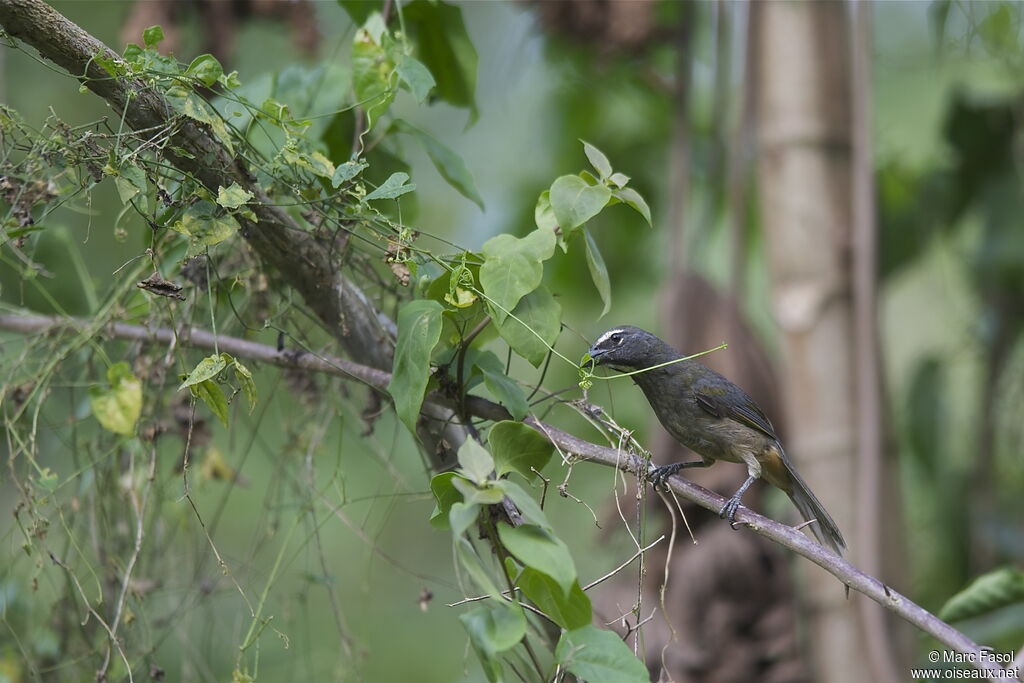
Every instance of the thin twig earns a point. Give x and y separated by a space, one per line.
95 614
625 564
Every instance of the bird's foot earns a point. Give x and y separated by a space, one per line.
658 475
728 511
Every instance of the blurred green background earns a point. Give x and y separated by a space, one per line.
946 117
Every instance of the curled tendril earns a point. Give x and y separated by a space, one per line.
586 372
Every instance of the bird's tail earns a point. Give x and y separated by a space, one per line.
810 507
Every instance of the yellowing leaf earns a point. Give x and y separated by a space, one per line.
118 406
233 197
204 226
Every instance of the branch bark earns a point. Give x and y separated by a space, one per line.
574 446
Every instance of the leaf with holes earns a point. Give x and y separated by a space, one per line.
207 368
233 197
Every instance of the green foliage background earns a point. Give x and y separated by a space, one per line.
945 119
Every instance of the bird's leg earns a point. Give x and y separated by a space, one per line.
728 510
658 475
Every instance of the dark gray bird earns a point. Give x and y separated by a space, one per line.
714 418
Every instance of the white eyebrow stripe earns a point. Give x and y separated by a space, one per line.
604 337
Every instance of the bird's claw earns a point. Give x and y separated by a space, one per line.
728 511
658 475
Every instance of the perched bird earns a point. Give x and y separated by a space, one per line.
713 417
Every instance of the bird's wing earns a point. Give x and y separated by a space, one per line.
733 403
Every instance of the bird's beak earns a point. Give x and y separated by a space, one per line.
592 357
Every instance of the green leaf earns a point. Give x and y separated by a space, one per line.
391 188
117 407
416 76
195 108
489 627
359 10
482 494
619 179
245 380
599 656
125 189
206 69
445 495
47 480
213 396
517 448
130 182
207 368
444 47
529 507
202 223
461 516
568 611
152 36
233 197
230 80
112 65
513 268
371 76
312 161
987 593
206 229
598 272
543 214
541 324
347 171
449 164
539 548
575 202
495 629
475 461
598 160
633 199
419 329
999 30
504 389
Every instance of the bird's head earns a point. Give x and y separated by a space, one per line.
628 347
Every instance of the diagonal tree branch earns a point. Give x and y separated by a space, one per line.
782 534
280 242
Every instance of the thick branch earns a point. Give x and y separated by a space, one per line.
301 260
780 533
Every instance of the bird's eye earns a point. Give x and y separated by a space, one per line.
617 339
